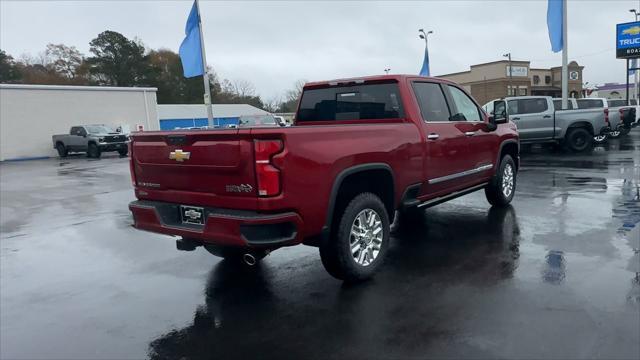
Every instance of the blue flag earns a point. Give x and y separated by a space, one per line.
190 50
554 24
425 65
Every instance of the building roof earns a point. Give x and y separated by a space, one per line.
612 86
197 111
74 87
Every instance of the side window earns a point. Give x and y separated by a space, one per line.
433 105
75 131
530 106
467 109
82 131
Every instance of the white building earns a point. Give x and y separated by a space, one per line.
185 115
31 114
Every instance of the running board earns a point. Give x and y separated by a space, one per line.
453 195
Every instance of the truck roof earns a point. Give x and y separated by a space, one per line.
396 77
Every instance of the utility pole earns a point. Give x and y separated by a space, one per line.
565 58
508 55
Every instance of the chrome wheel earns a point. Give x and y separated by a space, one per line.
366 237
614 133
600 138
507 180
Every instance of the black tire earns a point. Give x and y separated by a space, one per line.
336 253
615 133
62 150
93 151
579 139
498 192
624 131
123 152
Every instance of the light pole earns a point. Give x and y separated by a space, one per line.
386 71
425 35
635 72
508 55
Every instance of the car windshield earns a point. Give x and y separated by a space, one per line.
99 129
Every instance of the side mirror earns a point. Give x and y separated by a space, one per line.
499 115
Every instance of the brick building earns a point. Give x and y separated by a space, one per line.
491 80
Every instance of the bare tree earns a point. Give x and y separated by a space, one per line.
243 88
64 60
274 104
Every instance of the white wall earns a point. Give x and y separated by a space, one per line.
31 114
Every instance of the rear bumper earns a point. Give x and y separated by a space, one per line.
222 227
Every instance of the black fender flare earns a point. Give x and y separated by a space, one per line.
337 182
502 144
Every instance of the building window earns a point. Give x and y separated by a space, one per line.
511 91
547 79
522 91
536 79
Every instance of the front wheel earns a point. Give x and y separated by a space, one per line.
502 187
123 152
360 241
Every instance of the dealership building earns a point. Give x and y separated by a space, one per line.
498 79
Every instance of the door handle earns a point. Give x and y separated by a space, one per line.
547 117
470 133
515 118
433 136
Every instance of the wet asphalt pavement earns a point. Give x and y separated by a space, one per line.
555 276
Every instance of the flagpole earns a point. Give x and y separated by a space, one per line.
205 76
565 58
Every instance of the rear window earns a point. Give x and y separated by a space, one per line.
358 102
589 103
617 103
557 104
527 106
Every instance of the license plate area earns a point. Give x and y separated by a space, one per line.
192 215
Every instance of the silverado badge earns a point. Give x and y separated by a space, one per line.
179 155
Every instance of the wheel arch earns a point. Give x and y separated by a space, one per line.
581 124
348 182
509 147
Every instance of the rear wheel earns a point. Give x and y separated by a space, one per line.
93 151
614 134
360 241
123 152
579 139
502 187
600 139
62 150
625 130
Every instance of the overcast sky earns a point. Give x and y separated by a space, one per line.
272 44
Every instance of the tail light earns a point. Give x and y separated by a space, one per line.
606 116
267 174
131 167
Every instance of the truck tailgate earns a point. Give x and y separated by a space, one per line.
215 163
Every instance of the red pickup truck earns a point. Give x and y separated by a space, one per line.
360 150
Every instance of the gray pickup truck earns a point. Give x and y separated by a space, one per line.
538 121
92 139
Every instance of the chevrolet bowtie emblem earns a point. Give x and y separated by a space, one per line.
179 155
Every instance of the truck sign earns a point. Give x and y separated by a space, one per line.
628 40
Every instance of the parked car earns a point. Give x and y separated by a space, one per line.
258 121
92 139
616 111
539 121
324 182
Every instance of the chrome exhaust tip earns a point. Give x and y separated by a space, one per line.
249 259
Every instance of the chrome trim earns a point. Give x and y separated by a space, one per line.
460 174
470 133
453 195
433 136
